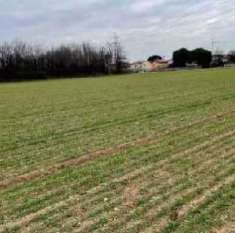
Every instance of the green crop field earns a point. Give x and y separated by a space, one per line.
147 153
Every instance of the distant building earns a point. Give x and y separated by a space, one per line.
159 64
146 66
139 66
219 60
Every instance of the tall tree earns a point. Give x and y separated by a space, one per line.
154 58
181 57
202 57
118 56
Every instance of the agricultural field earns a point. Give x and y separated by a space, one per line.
147 153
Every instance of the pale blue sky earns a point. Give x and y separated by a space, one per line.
145 27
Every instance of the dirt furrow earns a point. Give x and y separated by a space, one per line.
192 205
32 216
27 219
101 153
164 163
229 226
169 199
171 182
146 170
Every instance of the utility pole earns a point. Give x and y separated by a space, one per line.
213 45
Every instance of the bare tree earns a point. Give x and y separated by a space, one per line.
118 57
20 60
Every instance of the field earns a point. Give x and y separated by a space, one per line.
138 153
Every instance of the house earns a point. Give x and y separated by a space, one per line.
159 64
147 66
139 66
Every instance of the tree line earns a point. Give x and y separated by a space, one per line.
201 57
22 61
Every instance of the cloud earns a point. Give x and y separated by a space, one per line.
144 26
146 5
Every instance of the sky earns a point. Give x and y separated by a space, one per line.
145 27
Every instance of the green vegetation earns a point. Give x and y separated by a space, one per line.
150 152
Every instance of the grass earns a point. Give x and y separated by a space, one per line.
150 152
